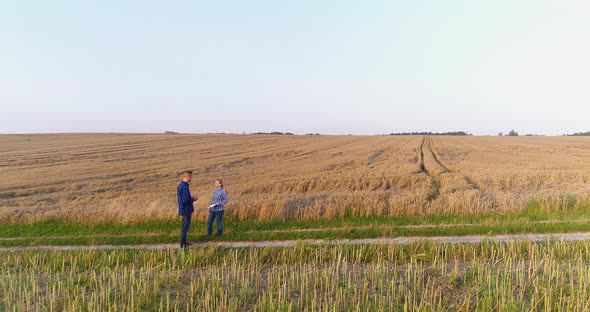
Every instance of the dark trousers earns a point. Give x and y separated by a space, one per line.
186 224
215 215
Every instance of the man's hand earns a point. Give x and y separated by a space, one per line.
196 197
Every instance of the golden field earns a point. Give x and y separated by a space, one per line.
133 177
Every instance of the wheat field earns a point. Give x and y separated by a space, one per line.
133 177
419 277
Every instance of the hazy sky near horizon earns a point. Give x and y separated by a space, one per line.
334 67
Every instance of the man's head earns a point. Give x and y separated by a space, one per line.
187 176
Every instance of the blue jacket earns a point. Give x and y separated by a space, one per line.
185 201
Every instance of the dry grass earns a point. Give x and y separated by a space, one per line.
417 277
133 177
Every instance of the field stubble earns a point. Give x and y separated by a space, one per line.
132 177
418 277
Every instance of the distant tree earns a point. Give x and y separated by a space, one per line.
501 133
275 133
512 133
452 133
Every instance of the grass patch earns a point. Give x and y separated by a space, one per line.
56 232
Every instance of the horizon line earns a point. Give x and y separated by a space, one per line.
288 133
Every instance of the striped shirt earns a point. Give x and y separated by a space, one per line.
219 200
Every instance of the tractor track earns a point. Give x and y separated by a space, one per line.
435 186
422 165
446 169
436 158
430 163
433 166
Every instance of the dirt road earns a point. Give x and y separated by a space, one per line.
469 239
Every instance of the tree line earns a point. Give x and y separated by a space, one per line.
455 133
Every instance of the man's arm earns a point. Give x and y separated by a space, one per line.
192 198
185 195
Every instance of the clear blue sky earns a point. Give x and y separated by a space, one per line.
334 67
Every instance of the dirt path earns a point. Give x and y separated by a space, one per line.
469 239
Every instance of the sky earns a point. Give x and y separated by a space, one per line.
331 67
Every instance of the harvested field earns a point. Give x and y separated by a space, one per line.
132 177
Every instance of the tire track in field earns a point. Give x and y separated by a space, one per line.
429 170
436 158
422 165
428 143
467 239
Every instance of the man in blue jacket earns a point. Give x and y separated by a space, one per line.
185 205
